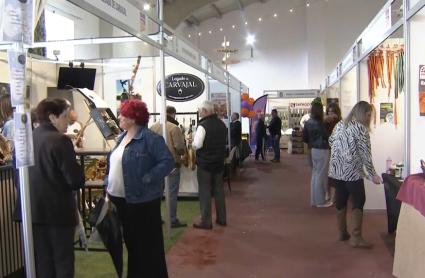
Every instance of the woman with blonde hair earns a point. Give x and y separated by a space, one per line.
350 163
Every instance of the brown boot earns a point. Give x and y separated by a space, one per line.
357 240
341 216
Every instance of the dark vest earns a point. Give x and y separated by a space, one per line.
211 156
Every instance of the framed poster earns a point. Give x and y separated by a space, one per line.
386 112
422 90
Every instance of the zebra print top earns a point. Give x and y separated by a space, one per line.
351 157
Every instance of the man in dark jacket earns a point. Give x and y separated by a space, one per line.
260 134
53 180
275 128
210 143
235 130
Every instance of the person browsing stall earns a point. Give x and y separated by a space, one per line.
275 129
350 163
53 179
177 147
135 184
210 145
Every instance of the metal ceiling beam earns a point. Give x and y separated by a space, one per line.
191 20
217 10
240 5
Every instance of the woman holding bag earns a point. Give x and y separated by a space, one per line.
137 168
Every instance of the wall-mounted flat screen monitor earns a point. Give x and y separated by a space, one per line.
76 78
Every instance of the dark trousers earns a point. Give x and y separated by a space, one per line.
211 183
260 148
54 251
345 189
276 147
142 230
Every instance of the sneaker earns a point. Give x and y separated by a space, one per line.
178 224
325 205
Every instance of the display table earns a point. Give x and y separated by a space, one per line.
392 186
409 253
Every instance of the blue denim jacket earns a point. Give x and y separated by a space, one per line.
146 162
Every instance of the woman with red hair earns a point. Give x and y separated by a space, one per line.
137 167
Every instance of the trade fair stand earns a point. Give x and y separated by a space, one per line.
385 66
133 46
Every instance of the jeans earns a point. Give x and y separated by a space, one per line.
319 176
174 183
276 148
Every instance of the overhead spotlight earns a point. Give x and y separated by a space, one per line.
250 39
308 4
275 15
246 22
189 35
260 19
199 34
146 7
233 26
210 32
221 29
291 10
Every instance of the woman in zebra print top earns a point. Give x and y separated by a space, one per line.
350 163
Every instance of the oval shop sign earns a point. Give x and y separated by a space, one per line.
182 87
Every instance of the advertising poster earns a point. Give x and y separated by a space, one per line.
387 113
23 140
17 60
220 106
17 21
422 90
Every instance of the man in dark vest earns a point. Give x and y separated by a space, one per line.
210 143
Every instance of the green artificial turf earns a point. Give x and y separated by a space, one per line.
99 264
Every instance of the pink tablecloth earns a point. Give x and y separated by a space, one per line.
412 192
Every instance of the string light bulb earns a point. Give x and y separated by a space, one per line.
291 10
189 36
221 29
260 19
308 4
210 32
275 15
233 26
199 34
246 22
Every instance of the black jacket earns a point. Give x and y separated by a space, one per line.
275 126
315 135
235 133
260 130
211 156
53 178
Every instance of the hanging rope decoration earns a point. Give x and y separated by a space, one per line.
394 61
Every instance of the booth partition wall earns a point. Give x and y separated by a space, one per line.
383 67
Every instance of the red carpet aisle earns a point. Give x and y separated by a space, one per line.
273 232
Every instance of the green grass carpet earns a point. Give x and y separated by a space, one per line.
99 264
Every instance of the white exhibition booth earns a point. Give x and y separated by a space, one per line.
386 66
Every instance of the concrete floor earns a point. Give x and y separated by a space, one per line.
273 232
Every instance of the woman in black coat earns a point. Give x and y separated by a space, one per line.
53 179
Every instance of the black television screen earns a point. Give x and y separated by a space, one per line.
76 78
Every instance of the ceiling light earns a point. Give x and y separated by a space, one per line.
260 19
210 31
275 15
233 26
291 10
199 34
308 4
221 29
189 35
250 39
246 22
146 7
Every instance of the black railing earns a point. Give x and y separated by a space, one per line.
11 246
